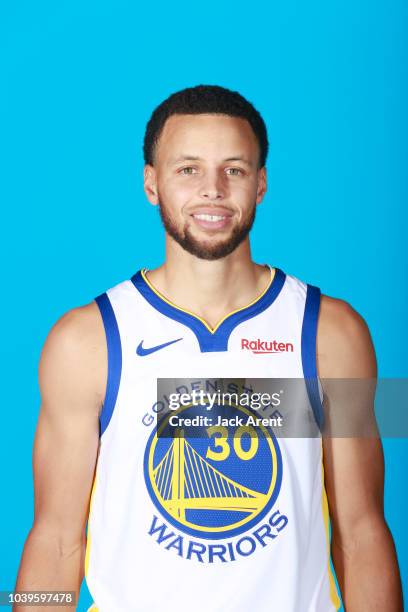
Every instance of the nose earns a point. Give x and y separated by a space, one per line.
212 187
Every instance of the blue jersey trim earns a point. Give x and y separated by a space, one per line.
309 351
217 340
114 348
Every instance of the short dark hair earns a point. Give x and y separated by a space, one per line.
199 100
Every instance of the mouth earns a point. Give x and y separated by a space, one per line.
212 219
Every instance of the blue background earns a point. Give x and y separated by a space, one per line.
80 80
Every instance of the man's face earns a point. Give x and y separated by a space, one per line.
207 182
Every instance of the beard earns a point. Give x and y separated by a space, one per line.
202 248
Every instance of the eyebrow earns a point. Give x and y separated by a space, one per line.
227 159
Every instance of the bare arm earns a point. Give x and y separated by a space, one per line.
363 550
72 374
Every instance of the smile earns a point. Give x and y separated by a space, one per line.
212 218
212 222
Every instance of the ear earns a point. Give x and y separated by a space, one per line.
261 189
150 184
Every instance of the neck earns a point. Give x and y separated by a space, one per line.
209 289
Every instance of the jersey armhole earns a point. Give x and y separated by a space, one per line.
309 353
114 349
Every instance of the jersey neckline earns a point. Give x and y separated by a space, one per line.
216 338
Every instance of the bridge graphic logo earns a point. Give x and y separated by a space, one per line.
217 484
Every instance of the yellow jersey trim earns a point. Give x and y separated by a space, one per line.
88 536
334 596
212 330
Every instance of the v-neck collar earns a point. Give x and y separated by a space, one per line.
216 338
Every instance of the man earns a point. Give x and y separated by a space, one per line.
235 518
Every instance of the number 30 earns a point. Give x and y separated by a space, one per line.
220 434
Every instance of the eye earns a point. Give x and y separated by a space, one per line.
187 170
234 171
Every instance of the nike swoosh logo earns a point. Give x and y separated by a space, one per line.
142 352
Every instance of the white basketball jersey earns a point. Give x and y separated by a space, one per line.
234 518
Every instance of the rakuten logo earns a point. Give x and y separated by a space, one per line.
266 346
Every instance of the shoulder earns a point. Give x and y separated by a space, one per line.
75 354
344 344
80 328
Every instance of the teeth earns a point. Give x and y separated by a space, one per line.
204 217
